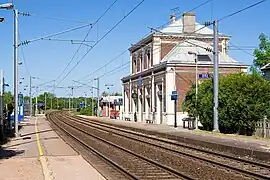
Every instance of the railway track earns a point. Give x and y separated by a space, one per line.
132 165
228 163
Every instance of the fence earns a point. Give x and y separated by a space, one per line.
263 129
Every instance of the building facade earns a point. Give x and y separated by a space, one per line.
162 62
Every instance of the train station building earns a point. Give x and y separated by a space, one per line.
164 61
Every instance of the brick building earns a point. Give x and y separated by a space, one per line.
160 63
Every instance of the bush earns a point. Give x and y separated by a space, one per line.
243 101
86 111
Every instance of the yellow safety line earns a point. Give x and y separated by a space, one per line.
46 172
38 141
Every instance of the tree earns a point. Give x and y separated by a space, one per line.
8 98
243 100
262 54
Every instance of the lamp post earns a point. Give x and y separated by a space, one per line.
97 79
196 84
10 6
108 87
85 96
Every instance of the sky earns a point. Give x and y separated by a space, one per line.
47 59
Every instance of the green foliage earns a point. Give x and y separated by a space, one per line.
243 100
8 98
262 54
86 111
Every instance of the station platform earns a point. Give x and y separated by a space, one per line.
245 146
40 154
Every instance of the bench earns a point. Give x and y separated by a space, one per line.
150 121
127 119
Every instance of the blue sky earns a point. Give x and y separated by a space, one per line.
47 59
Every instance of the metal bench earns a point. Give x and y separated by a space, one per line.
150 121
127 119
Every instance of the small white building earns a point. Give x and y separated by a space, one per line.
161 63
112 103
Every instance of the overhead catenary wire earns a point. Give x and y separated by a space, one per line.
54 34
23 56
241 49
109 62
241 10
197 7
87 34
155 49
146 36
56 18
104 36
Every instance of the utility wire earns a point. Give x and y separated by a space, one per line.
204 3
54 34
237 47
23 57
65 40
109 62
197 7
58 19
241 10
104 36
230 15
146 36
127 49
154 49
87 34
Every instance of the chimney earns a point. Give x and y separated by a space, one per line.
172 18
189 20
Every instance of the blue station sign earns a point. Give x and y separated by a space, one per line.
174 96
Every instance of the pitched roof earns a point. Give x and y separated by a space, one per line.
266 67
180 54
110 98
177 28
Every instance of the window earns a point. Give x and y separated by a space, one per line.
138 64
145 61
134 63
204 58
149 59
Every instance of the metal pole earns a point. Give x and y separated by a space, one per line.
216 73
16 71
196 119
45 102
93 102
69 102
1 104
30 95
72 97
51 101
175 113
109 102
97 96
85 100
36 101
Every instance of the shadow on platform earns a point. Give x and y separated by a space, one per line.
40 132
8 153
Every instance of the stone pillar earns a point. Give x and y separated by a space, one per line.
170 86
153 97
